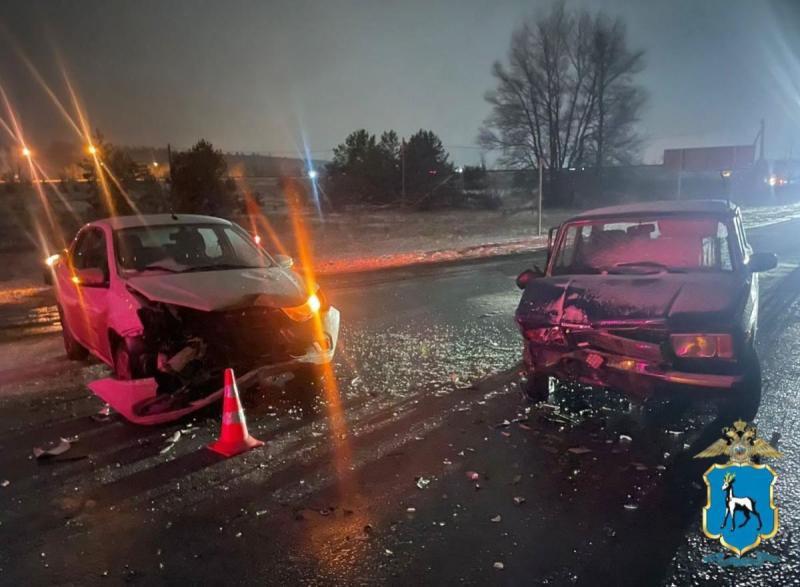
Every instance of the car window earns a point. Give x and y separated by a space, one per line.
213 248
186 247
90 251
645 245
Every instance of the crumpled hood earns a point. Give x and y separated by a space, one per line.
697 299
219 290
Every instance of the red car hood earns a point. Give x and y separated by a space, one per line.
220 290
593 299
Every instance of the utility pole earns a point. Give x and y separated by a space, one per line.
761 141
539 215
169 161
403 171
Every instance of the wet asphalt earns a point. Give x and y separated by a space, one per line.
425 466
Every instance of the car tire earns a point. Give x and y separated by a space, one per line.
745 400
537 387
75 350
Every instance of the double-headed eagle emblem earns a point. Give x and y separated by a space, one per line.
740 445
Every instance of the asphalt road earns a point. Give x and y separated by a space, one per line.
377 484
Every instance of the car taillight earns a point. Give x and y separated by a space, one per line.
703 346
551 335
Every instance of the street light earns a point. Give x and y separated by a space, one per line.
155 163
313 173
26 152
92 150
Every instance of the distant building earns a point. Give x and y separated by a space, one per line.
710 159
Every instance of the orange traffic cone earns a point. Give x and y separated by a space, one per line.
234 437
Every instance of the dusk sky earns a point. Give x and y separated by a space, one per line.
256 76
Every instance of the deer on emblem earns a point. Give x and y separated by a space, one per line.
735 504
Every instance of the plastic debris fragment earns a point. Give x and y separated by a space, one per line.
63 446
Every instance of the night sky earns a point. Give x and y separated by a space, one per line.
258 76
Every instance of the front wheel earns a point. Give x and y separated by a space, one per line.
75 350
131 359
537 387
745 398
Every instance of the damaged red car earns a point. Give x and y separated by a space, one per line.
178 298
646 297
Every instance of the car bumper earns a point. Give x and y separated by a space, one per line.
319 353
630 375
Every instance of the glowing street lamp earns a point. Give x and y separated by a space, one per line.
26 152
92 150
313 173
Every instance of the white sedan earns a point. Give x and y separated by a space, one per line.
181 297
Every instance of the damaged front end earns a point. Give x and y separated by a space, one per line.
634 358
187 347
589 331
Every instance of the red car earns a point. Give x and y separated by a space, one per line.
645 297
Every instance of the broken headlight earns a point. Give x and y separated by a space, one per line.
703 346
305 310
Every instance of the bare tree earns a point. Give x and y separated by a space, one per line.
567 94
618 98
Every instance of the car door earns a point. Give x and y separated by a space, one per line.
86 305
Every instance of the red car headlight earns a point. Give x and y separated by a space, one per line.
703 346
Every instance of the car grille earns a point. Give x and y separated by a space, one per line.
248 335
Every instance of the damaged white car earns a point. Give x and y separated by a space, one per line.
178 298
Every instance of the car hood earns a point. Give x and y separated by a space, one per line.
225 289
691 299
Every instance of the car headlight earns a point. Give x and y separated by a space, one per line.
703 346
305 310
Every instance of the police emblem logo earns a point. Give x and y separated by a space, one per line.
740 510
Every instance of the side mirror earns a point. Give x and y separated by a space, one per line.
284 261
526 276
762 262
91 277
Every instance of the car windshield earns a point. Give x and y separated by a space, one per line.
644 246
187 247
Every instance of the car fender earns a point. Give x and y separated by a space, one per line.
123 312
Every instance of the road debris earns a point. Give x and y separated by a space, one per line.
503 424
519 500
63 446
516 480
411 510
497 518
499 566
171 441
631 506
422 482
473 475
5 483
103 414
625 439
579 450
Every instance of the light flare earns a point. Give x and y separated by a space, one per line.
337 422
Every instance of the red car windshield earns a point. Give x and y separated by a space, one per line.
648 245
186 247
